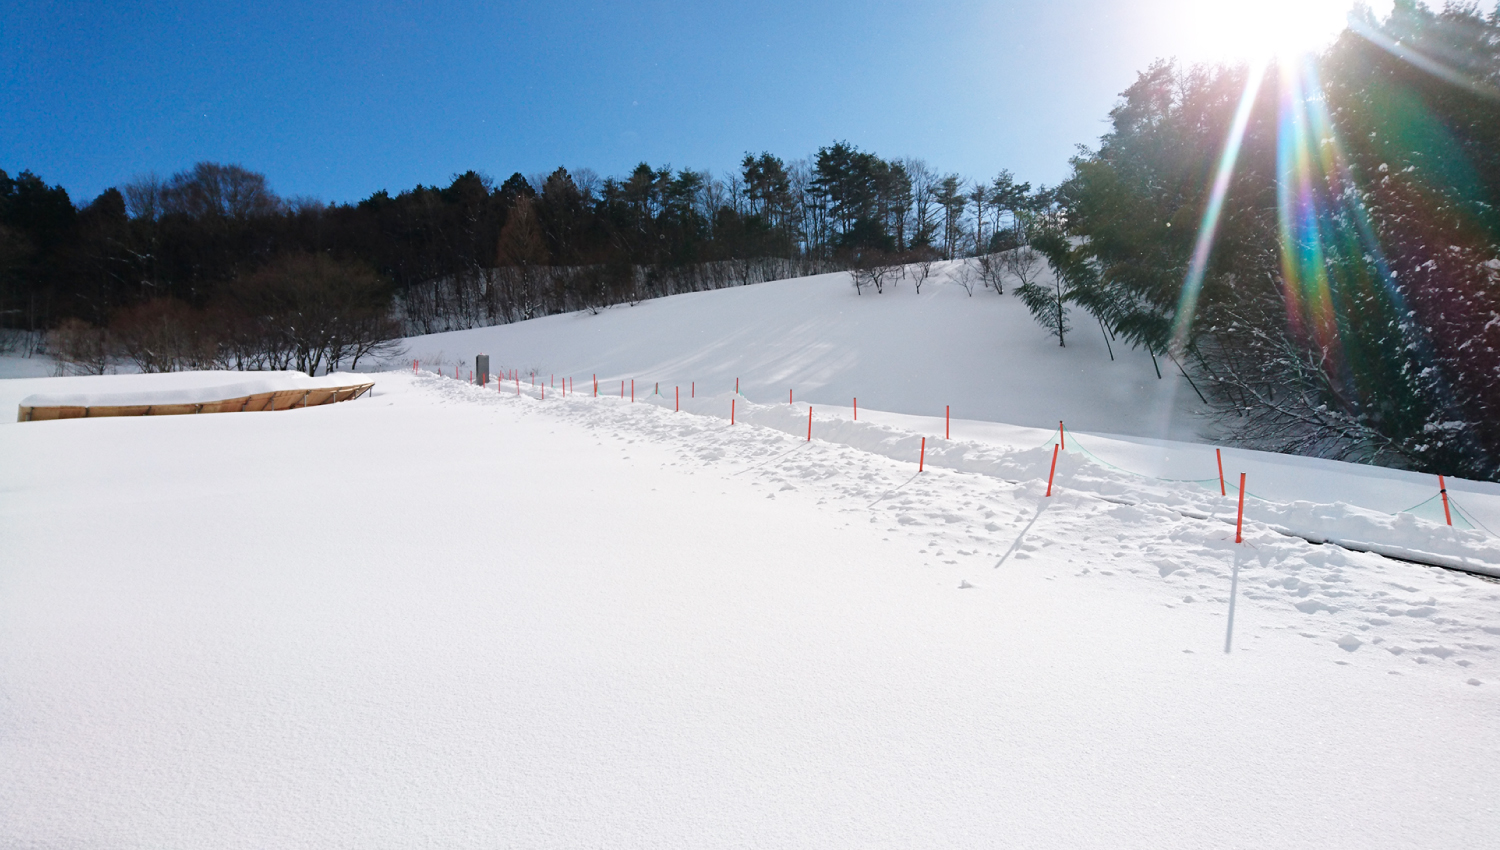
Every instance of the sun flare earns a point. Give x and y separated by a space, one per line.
1266 29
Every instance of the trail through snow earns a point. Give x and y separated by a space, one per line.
978 506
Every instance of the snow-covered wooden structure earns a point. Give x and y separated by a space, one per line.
38 408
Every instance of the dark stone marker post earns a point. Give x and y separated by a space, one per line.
482 369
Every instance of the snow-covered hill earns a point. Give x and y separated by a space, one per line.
900 351
985 360
455 615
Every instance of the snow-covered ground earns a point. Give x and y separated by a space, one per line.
447 615
903 352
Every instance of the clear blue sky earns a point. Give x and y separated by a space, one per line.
338 99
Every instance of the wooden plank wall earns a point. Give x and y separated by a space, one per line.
279 400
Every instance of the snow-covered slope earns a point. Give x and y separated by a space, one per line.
900 351
450 616
986 360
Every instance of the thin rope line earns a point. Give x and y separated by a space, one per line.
1464 512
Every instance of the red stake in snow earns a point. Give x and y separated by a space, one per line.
922 458
693 390
788 396
632 390
946 422
809 423
1239 520
1062 436
1053 472
677 398
1219 455
731 411
1443 489
856 408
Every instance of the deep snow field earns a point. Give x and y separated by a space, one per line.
448 615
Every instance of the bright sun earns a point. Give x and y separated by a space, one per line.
1259 30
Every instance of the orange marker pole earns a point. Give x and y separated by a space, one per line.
731 411
1062 436
1239 520
1219 455
856 408
1053 472
809 423
1443 488
946 422
922 458
677 398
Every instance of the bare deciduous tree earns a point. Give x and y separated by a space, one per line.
966 275
992 271
212 190
1023 263
322 309
921 262
79 347
164 335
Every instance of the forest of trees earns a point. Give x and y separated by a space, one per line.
210 267
1350 304
1347 306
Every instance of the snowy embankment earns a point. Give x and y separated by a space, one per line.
985 359
453 616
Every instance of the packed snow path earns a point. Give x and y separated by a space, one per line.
451 616
1107 522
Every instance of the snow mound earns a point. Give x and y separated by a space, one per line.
166 388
